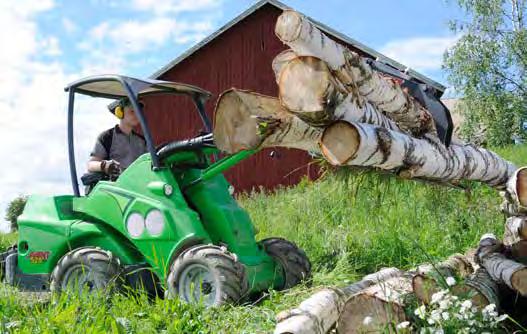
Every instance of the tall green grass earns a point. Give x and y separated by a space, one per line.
349 224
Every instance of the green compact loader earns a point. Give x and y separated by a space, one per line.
167 224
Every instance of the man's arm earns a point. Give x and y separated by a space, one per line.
94 164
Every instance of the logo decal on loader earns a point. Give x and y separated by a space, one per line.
38 257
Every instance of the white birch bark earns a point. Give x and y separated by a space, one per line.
357 144
515 230
517 192
499 267
319 313
305 39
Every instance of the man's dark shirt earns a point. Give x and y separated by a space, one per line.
114 144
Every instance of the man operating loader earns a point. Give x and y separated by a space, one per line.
116 148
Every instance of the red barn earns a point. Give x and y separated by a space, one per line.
240 55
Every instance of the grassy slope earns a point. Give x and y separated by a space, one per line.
349 225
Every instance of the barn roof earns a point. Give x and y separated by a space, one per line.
321 26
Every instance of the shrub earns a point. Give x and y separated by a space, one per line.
15 209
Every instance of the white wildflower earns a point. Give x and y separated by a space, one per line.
445 315
451 281
420 312
466 304
438 296
404 324
445 304
490 308
501 318
435 316
368 320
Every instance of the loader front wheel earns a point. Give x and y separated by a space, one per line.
294 262
86 270
207 274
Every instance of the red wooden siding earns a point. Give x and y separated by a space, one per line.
240 57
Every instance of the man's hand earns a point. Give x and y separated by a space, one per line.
111 168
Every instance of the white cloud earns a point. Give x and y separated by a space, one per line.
69 25
137 36
33 109
174 6
419 53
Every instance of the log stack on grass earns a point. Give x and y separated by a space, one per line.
489 278
334 104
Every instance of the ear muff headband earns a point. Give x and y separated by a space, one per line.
119 112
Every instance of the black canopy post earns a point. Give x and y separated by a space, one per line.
71 148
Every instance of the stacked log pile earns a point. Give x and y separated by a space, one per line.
332 103
494 273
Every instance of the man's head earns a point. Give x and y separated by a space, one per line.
129 116
124 110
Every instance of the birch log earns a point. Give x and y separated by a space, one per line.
308 89
377 308
480 288
319 313
499 267
428 277
516 194
246 121
518 251
357 144
352 70
515 230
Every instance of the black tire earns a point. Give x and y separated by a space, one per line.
86 269
209 274
294 262
3 258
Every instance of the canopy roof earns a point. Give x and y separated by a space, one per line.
113 87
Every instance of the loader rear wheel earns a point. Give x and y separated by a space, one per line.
208 274
294 262
86 270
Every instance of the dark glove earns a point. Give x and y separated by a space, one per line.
111 167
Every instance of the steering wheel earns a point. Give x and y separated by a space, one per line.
194 144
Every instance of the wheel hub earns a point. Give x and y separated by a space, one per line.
197 285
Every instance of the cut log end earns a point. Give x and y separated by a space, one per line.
367 314
521 186
288 19
239 116
467 292
306 88
519 281
340 142
424 287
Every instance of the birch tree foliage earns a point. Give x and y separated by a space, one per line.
488 68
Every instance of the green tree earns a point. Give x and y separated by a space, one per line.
488 65
15 209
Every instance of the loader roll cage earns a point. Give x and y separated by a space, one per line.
118 87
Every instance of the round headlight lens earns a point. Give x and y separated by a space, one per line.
135 224
155 222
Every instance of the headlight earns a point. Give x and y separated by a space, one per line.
155 222
135 224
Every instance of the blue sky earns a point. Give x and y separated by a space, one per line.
48 43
